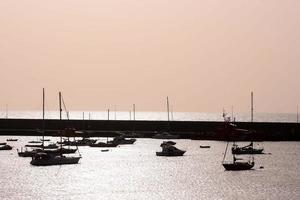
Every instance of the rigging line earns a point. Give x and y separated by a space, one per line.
78 150
65 107
225 151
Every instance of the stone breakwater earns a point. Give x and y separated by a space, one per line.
204 130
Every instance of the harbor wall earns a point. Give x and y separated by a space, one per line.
204 130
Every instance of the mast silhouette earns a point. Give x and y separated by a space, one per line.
43 126
252 107
60 119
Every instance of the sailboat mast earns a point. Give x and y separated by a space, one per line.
107 114
172 115
297 115
134 112
6 111
60 110
168 109
251 106
133 118
43 131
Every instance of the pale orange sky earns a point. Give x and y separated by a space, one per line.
205 55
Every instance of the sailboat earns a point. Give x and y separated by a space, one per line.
248 149
237 163
166 135
46 159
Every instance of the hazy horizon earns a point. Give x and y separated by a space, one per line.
204 55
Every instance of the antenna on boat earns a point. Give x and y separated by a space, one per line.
252 107
115 112
107 114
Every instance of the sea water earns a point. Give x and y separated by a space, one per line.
135 172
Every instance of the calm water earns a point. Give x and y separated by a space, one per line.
135 172
178 116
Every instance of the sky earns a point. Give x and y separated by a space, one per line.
205 55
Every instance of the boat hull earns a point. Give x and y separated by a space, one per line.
246 151
102 144
12 140
201 146
55 161
238 166
127 141
6 147
177 153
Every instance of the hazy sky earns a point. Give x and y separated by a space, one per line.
205 55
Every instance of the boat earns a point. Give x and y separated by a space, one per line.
104 150
81 142
168 149
50 146
238 165
3 143
28 153
5 147
248 149
11 140
34 145
46 158
103 144
165 135
61 150
122 140
204 146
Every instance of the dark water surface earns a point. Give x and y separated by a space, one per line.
135 172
